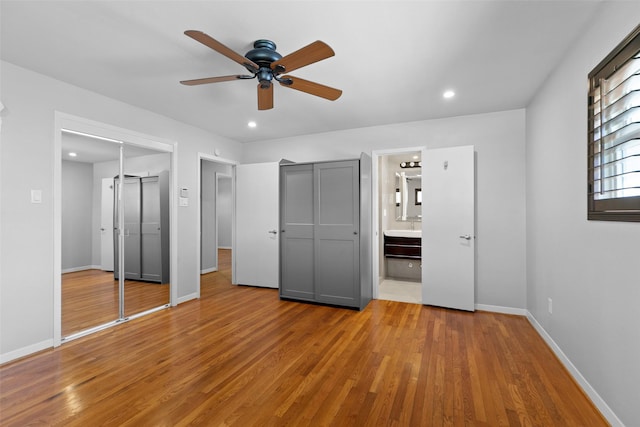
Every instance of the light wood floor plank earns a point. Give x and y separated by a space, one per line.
241 357
91 298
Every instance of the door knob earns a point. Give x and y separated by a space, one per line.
466 237
273 232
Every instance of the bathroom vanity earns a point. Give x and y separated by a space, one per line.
405 244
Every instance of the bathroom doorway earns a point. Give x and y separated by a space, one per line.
399 226
438 240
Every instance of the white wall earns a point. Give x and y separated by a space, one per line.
588 268
225 212
27 244
499 140
77 197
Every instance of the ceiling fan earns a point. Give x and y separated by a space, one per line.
267 65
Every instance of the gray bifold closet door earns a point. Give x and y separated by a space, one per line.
320 209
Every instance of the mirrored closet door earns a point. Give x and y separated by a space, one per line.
115 232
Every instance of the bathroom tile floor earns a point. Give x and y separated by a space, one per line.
398 290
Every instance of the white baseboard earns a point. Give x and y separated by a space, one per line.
83 268
503 310
25 351
208 270
187 298
577 376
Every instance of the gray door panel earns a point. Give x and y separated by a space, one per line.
336 232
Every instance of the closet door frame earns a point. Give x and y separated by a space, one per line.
64 121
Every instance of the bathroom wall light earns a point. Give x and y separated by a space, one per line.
405 165
448 94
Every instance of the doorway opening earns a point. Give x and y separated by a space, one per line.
114 226
398 221
216 211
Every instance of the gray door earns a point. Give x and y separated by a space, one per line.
296 239
337 240
150 243
131 227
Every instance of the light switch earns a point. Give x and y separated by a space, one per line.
184 201
184 192
36 196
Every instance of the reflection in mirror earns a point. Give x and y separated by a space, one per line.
88 295
91 295
409 195
145 234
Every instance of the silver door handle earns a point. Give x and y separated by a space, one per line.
466 237
273 232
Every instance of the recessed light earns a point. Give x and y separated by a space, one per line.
448 94
252 124
73 154
416 157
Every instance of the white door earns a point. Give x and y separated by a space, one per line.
256 249
106 225
448 228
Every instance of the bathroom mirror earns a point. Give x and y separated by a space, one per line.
409 195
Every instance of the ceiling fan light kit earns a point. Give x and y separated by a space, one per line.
266 64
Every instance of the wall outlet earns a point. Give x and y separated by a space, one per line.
550 305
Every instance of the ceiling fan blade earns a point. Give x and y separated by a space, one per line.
265 97
311 87
214 44
214 80
309 54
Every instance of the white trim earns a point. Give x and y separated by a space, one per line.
208 270
501 309
190 296
577 376
232 163
173 236
82 268
25 351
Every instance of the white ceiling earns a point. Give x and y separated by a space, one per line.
394 59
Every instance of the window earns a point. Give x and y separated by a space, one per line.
614 134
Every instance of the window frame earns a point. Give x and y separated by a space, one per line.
614 209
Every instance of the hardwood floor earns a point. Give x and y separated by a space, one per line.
240 356
90 298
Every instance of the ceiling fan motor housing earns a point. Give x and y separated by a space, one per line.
263 54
